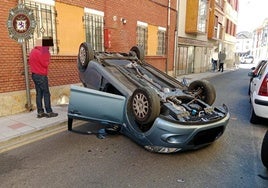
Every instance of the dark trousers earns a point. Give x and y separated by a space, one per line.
214 65
42 92
221 67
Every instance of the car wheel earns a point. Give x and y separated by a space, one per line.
138 51
254 119
203 90
145 105
264 150
85 55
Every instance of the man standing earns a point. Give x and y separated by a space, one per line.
39 60
222 57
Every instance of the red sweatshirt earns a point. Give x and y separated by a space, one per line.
39 60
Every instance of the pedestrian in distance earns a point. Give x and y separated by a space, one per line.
214 60
39 61
222 57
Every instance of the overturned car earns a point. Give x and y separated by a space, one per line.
150 107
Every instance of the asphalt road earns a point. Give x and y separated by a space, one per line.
70 159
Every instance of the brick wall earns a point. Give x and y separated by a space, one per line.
63 69
11 70
124 36
93 4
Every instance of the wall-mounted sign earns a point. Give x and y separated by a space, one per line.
21 23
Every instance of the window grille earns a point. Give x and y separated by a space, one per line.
161 48
94 30
45 17
142 37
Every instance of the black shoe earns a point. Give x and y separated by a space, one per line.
42 114
52 114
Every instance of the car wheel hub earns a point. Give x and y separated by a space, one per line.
140 105
82 55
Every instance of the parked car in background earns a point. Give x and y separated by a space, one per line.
247 59
150 107
255 71
259 94
264 150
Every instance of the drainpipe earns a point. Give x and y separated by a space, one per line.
168 25
176 41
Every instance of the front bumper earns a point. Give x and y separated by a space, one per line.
168 137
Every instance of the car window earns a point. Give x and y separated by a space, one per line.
262 70
258 68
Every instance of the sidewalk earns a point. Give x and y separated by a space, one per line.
24 123
204 75
18 125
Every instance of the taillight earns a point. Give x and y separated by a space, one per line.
263 91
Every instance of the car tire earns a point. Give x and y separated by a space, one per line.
139 52
254 119
203 90
145 105
264 150
85 55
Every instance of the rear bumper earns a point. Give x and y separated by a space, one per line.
261 102
260 105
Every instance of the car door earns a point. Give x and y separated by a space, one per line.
90 104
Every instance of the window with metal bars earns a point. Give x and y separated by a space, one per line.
161 48
94 30
45 17
142 37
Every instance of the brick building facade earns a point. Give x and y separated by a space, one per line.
121 18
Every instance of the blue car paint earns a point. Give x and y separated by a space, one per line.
182 125
112 109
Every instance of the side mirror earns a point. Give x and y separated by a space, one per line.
253 68
251 74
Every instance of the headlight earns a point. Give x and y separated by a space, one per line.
160 149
